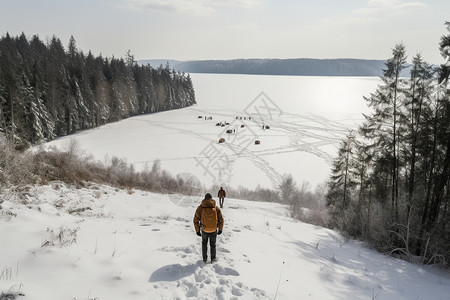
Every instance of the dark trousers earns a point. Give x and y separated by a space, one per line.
221 201
212 236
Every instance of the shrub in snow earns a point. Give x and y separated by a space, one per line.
15 166
62 237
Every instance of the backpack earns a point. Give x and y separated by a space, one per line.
209 219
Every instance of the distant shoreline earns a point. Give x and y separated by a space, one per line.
289 67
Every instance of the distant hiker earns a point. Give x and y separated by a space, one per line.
221 194
208 218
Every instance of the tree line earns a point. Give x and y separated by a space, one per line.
390 182
47 91
294 66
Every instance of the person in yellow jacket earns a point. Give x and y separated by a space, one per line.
208 218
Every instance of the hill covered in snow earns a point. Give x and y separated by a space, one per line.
93 241
98 242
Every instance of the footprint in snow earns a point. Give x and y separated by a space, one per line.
225 271
223 250
211 281
182 251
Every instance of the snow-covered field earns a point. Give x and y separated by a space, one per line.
118 244
307 117
59 242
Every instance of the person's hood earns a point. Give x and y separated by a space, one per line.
208 203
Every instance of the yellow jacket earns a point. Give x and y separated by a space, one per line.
207 204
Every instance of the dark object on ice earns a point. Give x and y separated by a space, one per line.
200 117
218 124
267 127
229 131
221 140
242 126
257 142
226 123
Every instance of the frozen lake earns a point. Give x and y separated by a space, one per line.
307 117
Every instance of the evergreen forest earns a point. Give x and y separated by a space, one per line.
47 91
390 182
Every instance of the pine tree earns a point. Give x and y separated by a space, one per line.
3 95
342 175
442 185
444 47
382 128
417 104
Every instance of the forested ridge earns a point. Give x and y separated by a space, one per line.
47 91
292 67
390 182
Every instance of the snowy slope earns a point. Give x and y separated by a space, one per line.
139 245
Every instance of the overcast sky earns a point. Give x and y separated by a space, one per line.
228 29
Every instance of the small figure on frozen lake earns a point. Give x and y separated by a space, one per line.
207 219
